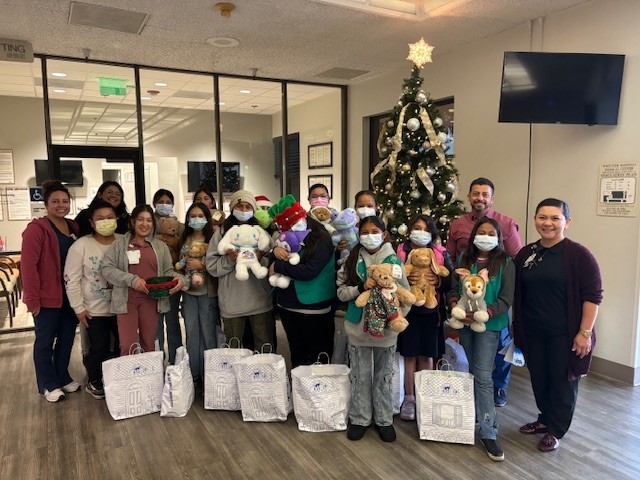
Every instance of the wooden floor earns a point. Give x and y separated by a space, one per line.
77 439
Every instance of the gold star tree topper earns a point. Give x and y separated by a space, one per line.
420 53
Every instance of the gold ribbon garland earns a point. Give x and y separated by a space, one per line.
433 137
390 161
425 179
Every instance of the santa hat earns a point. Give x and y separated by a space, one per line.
263 201
287 212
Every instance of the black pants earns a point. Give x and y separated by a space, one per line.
308 335
556 396
100 332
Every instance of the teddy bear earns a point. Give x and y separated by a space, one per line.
382 303
246 240
292 242
169 232
472 300
195 278
344 223
217 217
422 260
323 215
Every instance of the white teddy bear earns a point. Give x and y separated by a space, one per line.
246 239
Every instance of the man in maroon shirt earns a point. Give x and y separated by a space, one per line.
481 200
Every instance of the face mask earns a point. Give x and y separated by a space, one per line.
197 223
420 237
106 227
486 243
164 209
319 202
364 212
299 226
371 241
243 216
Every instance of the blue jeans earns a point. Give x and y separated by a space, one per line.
371 399
174 334
201 330
502 371
55 330
480 349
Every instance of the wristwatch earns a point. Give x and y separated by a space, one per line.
585 333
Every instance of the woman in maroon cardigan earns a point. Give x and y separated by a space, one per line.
558 290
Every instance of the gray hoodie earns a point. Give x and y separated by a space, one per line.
237 298
357 336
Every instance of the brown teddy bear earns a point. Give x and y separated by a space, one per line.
323 215
169 230
382 303
195 278
421 261
217 217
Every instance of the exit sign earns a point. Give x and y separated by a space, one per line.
113 86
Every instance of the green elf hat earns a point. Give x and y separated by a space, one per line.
287 212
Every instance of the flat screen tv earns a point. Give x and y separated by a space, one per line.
70 172
203 174
574 88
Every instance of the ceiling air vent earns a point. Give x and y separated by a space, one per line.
110 18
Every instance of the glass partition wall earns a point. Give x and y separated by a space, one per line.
150 128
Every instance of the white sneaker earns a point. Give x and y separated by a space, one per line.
72 387
54 396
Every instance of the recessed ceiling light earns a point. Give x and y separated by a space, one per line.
58 74
223 42
145 98
59 90
221 103
245 91
160 84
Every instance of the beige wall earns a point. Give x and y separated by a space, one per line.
565 158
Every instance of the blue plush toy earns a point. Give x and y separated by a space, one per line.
345 224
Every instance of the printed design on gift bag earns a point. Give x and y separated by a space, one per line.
446 415
134 396
260 403
263 387
323 405
220 387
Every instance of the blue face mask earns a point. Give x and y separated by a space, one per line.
197 223
164 209
243 216
371 241
299 226
420 238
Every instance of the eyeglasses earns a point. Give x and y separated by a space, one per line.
113 193
319 196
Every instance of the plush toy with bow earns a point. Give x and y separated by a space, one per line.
421 261
195 278
246 240
292 242
382 303
472 300
345 224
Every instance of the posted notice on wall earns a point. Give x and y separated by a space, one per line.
6 166
18 207
617 190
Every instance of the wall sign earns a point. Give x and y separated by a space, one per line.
6 167
617 190
16 50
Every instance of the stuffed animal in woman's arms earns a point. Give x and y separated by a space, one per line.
323 215
169 232
421 261
217 216
345 224
195 278
246 240
263 217
472 300
292 242
382 303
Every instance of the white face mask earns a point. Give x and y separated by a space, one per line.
486 243
371 241
299 226
243 216
164 209
364 212
420 237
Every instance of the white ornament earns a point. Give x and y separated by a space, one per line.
441 197
413 124
388 187
430 171
390 124
437 122
400 203
443 219
406 167
450 187
415 194
426 145
442 136
402 229
421 97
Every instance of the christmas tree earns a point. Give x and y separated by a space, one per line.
415 175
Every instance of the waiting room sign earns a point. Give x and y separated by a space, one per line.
16 50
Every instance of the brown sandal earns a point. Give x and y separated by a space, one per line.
533 428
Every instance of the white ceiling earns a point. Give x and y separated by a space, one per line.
284 39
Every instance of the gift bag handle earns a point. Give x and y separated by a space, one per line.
264 345
444 365
318 362
135 348
228 344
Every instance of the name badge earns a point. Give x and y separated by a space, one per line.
133 256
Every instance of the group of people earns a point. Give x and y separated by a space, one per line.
544 295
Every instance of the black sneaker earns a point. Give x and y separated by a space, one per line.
355 432
96 391
387 433
493 449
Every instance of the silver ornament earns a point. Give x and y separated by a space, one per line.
413 124
426 145
430 171
415 194
389 141
388 187
437 122
441 197
394 230
391 213
384 151
390 124
407 210
400 203
442 136
421 97
450 187
402 229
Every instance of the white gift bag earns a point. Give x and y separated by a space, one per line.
397 383
321 395
445 407
133 384
178 392
455 356
220 384
263 385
